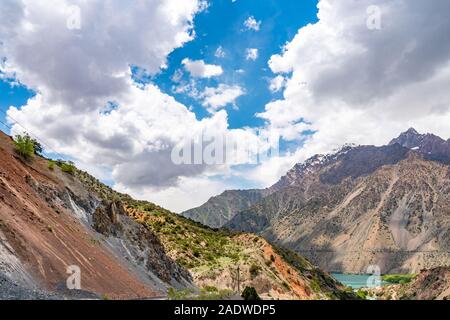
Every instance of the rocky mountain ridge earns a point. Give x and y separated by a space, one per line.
363 205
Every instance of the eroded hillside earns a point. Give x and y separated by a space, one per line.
44 230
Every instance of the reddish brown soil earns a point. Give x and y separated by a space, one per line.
48 242
292 277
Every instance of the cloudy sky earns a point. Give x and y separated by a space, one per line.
115 85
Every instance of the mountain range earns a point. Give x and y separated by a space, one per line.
358 207
387 206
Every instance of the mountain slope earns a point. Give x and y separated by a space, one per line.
397 218
432 284
361 206
212 257
52 218
218 210
41 233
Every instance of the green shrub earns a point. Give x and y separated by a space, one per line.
254 270
210 289
362 294
149 207
51 165
24 146
210 294
37 147
196 253
173 294
68 168
250 294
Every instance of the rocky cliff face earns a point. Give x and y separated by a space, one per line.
397 218
385 206
138 245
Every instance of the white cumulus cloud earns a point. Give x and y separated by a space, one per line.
199 69
277 83
353 83
223 95
78 74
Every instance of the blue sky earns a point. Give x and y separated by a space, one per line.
323 103
11 95
222 25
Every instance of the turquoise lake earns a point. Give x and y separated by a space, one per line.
354 281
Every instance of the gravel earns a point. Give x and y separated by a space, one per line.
12 291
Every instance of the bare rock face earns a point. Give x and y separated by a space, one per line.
430 145
50 220
142 246
396 217
106 219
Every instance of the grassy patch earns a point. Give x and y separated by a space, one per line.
206 293
51 165
398 278
67 167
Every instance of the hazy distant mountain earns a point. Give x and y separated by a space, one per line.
363 205
222 208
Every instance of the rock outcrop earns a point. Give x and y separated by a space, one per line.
138 244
